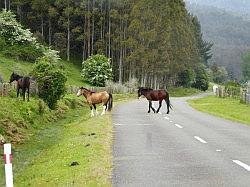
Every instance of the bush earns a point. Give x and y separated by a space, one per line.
96 70
201 78
2 43
185 78
232 88
51 81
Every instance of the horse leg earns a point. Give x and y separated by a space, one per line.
17 92
104 108
92 112
24 90
149 106
152 107
160 102
28 94
168 104
96 112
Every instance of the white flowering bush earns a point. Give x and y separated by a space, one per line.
96 70
19 43
12 31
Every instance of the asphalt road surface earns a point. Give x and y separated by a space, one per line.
184 148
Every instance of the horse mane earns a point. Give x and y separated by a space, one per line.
87 90
144 88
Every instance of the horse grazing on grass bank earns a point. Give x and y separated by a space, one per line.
22 83
155 95
94 98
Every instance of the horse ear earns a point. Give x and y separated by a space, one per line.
81 88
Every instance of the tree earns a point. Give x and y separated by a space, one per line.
201 78
51 80
96 70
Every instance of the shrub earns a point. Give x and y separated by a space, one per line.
232 88
185 78
51 81
2 43
96 70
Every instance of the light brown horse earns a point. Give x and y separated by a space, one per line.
94 98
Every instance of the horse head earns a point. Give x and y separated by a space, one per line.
13 77
80 92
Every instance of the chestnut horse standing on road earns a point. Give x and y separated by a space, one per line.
155 95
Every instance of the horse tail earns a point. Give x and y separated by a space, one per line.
110 102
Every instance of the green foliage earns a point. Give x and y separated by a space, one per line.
96 70
245 67
201 78
12 31
185 78
232 88
219 74
2 43
22 52
51 81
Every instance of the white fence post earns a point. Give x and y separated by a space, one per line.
8 165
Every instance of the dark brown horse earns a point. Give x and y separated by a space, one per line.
22 83
94 98
155 95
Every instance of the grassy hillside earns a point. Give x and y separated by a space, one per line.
7 66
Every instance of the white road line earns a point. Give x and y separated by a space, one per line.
170 121
247 167
139 124
218 150
166 118
199 139
178 126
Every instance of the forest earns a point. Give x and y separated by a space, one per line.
158 43
227 26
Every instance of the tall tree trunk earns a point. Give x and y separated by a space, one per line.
93 27
50 33
89 47
42 26
109 28
9 4
121 51
5 4
68 37
120 67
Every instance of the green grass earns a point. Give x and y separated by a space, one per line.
44 159
182 92
227 108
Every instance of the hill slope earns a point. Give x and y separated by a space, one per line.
7 66
229 33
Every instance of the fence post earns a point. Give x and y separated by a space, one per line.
8 165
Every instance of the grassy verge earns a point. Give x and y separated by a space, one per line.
182 92
45 160
227 108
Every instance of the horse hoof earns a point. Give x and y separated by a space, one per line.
148 111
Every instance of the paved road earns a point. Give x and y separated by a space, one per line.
184 148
